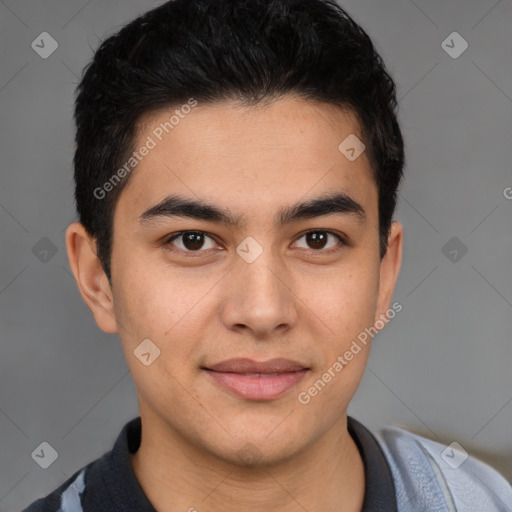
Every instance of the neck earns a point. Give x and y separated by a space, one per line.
177 475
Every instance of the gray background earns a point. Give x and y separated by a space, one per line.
441 368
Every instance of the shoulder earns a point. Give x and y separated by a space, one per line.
107 483
431 476
67 497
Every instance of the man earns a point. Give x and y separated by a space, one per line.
236 169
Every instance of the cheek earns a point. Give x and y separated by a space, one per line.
344 300
146 305
345 305
149 307
168 306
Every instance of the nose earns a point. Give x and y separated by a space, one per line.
259 297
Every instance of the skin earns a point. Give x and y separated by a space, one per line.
294 301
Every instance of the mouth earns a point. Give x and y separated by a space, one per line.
254 380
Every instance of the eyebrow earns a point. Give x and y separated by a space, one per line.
178 206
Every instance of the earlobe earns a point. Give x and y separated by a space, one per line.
389 269
90 276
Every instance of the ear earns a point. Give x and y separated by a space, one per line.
389 269
90 276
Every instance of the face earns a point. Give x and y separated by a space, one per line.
280 261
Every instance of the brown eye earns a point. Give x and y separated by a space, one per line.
191 241
318 240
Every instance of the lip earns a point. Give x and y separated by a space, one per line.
244 365
254 380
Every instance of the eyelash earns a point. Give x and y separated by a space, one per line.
189 253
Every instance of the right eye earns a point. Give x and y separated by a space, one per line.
189 241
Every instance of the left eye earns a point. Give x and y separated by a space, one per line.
195 241
317 240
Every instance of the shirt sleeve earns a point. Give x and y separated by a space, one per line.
425 481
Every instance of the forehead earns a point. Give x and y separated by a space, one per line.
250 159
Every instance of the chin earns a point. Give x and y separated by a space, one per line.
256 450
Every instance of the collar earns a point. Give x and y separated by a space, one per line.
379 492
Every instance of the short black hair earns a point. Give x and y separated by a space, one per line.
251 51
